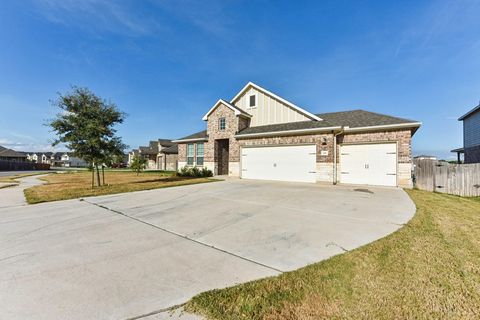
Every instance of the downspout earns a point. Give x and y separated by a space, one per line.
335 155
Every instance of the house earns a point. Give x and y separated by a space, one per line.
161 154
12 155
471 136
425 157
260 135
56 159
70 160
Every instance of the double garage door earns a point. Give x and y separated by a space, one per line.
368 164
281 163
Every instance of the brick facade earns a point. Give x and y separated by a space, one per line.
402 137
323 142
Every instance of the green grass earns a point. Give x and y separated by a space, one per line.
73 185
429 269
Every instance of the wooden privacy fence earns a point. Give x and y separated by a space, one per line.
17 166
458 179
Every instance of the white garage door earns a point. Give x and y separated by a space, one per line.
285 163
372 164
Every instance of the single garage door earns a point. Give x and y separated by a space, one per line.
282 163
371 164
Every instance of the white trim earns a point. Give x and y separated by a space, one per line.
286 132
190 140
469 113
301 110
386 126
234 109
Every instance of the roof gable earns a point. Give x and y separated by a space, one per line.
273 95
469 113
237 110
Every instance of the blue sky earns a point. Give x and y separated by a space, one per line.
165 63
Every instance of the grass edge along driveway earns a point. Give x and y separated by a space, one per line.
73 185
428 269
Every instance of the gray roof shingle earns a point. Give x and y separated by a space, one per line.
197 135
361 118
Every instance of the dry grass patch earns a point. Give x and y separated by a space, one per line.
429 269
69 185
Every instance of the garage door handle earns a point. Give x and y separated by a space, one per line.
312 171
391 153
345 154
313 153
345 172
391 174
244 169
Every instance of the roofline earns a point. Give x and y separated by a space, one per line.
288 103
458 150
234 109
287 132
469 113
339 128
190 140
385 126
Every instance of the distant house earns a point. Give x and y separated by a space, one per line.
161 154
56 159
424 157
12 155
70 160
471 136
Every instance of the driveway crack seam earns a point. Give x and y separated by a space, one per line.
184 236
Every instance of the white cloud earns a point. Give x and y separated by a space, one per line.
97 16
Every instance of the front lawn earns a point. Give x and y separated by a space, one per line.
429 269
71 185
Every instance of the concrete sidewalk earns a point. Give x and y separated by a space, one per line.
13 196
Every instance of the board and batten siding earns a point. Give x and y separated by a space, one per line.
471 130
268 110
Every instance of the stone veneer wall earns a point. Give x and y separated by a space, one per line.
214 133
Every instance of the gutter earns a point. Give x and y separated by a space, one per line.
285 132
387 126
190 140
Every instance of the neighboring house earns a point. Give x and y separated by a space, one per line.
161 154
471 136
56 159
260 135
12 155
70 160
424 157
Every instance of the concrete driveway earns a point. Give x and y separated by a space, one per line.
128 255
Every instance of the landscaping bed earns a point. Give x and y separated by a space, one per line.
72 185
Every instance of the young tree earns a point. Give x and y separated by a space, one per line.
86 126
138 164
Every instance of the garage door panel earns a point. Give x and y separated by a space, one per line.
371 164
281 163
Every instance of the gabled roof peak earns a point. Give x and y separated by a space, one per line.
237 110
288 103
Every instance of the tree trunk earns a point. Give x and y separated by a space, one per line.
93 176
103 175
99 183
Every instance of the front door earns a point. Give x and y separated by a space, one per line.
222 148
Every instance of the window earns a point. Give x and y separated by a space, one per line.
190 153
199 154
221 124
253 101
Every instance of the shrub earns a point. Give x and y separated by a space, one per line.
194 172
